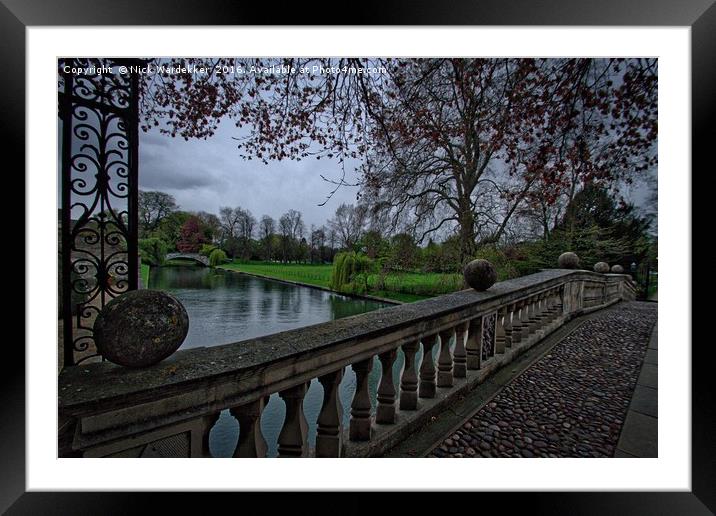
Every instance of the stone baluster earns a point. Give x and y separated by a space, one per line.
360 425
459 353
427 368
445 359
293 439
517 330
509 314
534 319
549 305
473 346
209 422
409 377
534 300
385 412
525 319
329 432
251 441
552 304
500 331
546 314
542 311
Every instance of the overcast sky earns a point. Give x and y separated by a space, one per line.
207 174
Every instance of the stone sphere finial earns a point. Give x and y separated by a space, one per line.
568 260
480 274
601 267
140 328
617 269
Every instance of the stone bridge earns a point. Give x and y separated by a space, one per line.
189 256
425 356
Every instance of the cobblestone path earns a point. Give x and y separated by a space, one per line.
572 402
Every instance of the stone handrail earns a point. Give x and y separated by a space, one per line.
172 406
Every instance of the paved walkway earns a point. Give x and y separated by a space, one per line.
639 437
574 401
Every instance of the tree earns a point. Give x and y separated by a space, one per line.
404 252
191 237
598 228
170 227
210 224
317 245
605 133
237 229
348 223
246 224
153 251
154 207
291 230
350 272
267 228
374 244
284 227
229 221
216 257
451 145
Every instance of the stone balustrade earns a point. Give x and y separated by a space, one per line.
170 408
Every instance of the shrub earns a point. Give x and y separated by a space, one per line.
217 257
153 251
503 265
206 249
350 272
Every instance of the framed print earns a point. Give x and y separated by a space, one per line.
430 234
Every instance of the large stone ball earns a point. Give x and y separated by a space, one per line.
601 267
480 274
568 260
617 269
140 328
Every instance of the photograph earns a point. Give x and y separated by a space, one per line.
357 257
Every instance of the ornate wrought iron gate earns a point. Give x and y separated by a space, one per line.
98 110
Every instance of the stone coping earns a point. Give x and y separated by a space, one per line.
88 387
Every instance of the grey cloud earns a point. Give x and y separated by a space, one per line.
207 174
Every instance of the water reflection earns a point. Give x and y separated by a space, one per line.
226 307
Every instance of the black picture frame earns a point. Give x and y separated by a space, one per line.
700 15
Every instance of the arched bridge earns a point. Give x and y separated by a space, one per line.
189 256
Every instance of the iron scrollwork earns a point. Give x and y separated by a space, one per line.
489 322
98 110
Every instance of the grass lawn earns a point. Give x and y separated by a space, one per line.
145 275
406 287
319 275
422 285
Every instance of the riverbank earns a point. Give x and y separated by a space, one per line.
404 287
313 285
